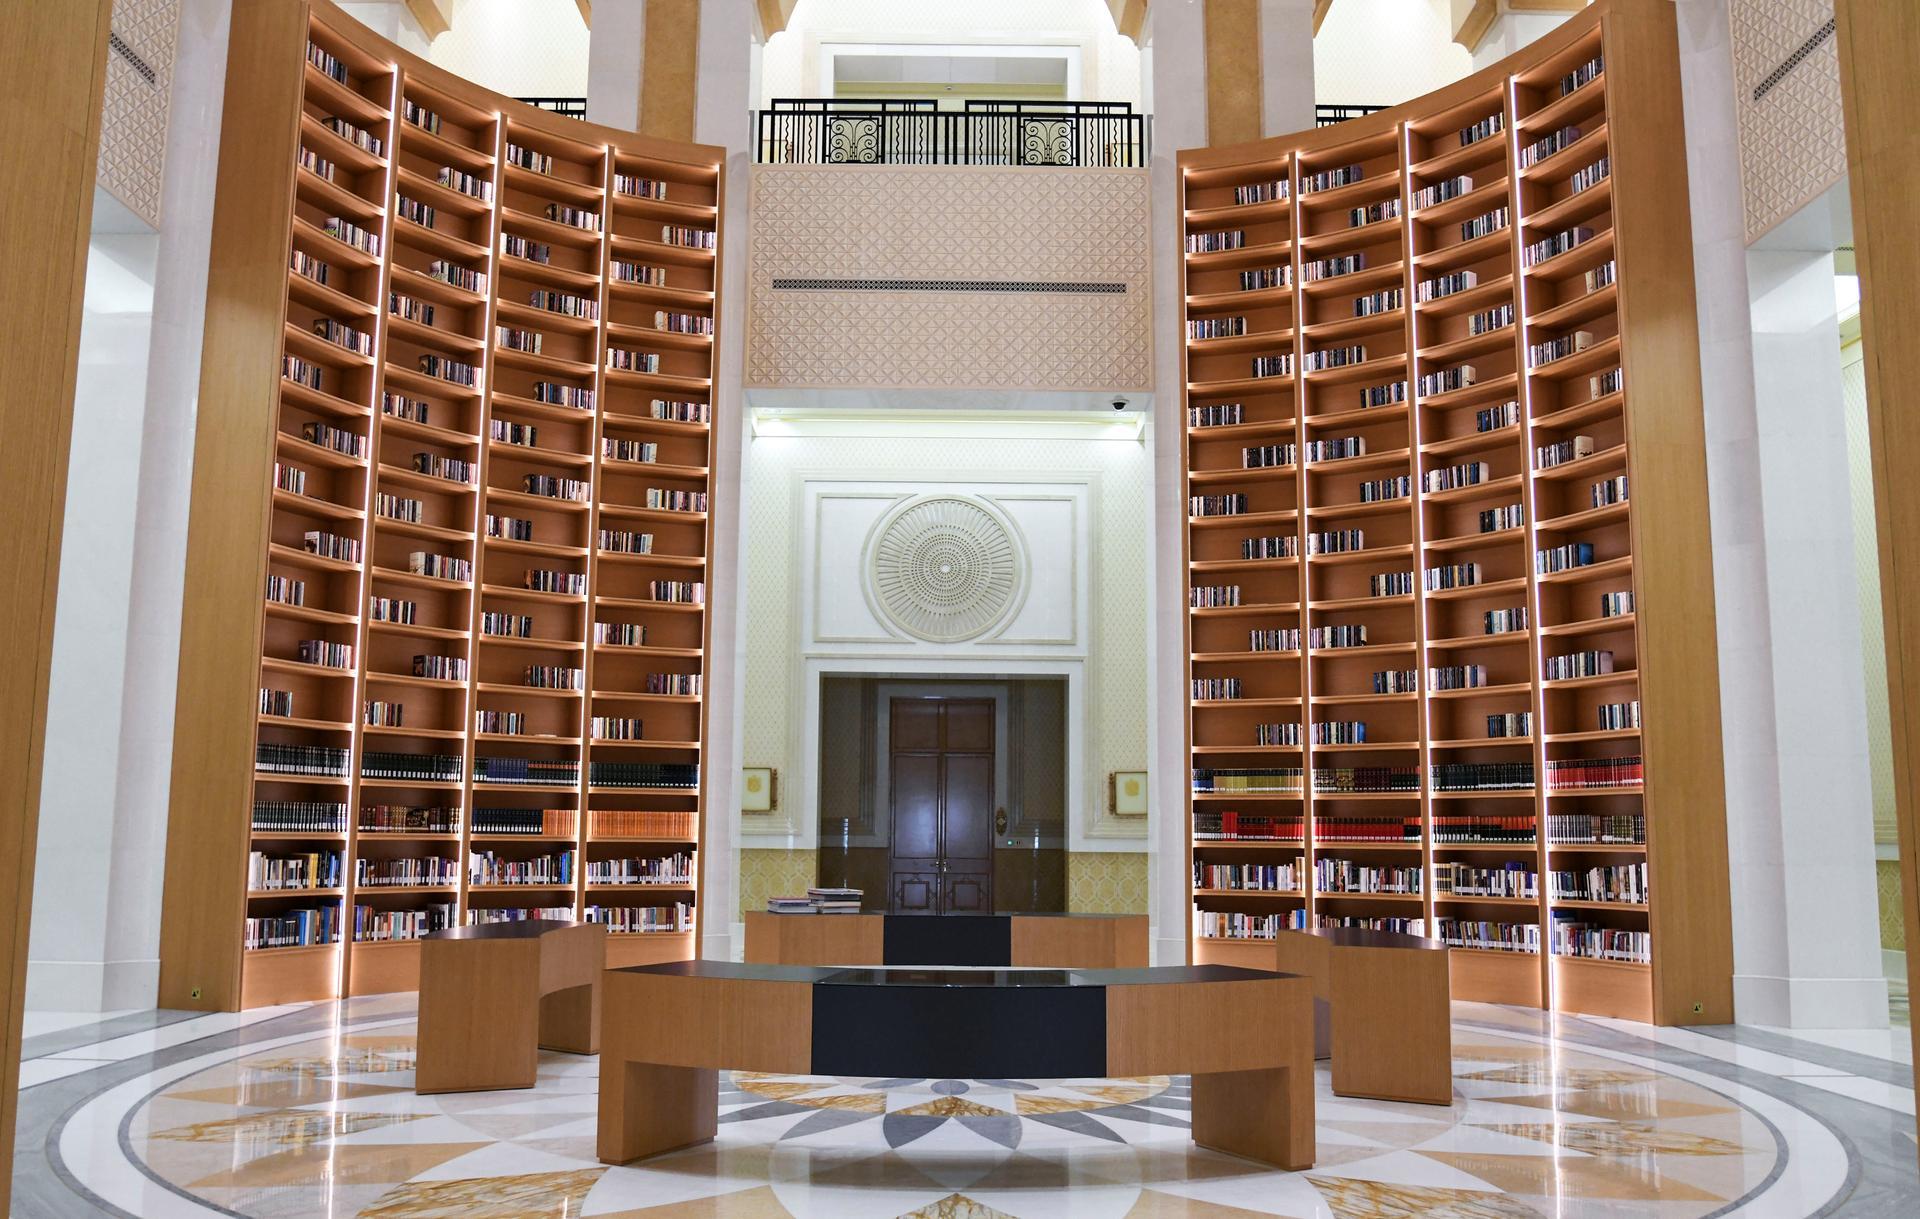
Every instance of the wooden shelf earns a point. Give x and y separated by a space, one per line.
266 121
1663 558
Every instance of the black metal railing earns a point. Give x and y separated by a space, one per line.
1327 116
571 107
911 131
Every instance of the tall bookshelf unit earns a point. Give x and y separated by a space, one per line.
482 471
1383 464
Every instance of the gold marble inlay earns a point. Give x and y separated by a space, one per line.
956 1206
952 1106
1378 1200
512 1197
1624 1139
285 1129
338 1164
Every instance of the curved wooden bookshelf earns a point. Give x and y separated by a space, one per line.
454 424
1417 436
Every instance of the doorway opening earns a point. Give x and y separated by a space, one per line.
945 797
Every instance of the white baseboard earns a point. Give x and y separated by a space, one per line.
92 986
1810 1003
1169 950
1893 964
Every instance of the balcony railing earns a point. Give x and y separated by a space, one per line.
571 107
911 131
1327 116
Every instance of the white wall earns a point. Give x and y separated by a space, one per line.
76 961
1383 52
1109 62
522 48
1081 509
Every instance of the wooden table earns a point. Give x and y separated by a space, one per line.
1382 1009
1049 941
493 996
1245 1036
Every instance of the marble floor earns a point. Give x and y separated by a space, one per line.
309 1111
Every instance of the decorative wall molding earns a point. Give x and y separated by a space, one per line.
911 225
945 568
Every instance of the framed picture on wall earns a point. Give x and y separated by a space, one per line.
1127 793
759 789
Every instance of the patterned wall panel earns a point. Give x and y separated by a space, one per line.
1107 883
773 873
949 223
1792 135
1866 565
133 120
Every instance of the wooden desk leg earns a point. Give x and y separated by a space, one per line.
646 1109
570 1020
476 1033
1261 1115
1393 1036
1265 1114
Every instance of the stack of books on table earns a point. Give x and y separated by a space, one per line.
818 901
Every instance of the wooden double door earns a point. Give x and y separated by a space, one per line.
941 796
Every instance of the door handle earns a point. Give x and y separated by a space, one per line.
999 820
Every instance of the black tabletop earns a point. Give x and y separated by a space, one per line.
972 979
518 929
957 1023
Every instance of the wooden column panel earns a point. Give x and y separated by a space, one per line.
53 72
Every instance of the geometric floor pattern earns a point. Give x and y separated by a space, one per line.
330 1126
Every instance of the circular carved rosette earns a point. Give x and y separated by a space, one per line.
945 569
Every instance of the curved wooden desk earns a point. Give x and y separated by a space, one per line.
1018 941
493 996
1245 1036
1382 1008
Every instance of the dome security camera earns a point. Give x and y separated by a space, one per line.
1119 404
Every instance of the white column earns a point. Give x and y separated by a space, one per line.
1827 873
1286 66
1792 700
392 20
615 59
1173 63
103 821
720 117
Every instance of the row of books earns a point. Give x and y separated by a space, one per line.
375 926
675 869
308 870
1253 877
1229 925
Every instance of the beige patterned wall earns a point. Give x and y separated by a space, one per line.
133 119
1893 927
1097 883
1866 562
1792 140
773 873
944 222
1107 883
